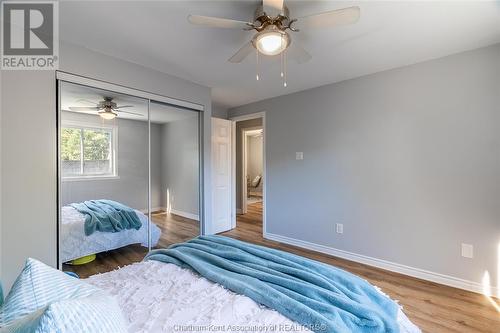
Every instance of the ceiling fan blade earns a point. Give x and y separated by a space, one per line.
242 53
84 108
134 113
329 19
83 100
297 53
123 106
217 22
273 7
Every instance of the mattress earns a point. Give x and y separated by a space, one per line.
159 297
75 244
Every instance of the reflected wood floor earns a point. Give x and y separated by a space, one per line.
174 229
433 307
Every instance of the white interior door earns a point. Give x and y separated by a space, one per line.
221 175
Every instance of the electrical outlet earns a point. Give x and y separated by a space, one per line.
467 251
299 155
339 228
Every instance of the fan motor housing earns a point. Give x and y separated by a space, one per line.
281 20
107 103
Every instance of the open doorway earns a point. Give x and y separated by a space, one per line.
239 177
249 174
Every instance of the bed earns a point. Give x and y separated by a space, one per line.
163 297
75 244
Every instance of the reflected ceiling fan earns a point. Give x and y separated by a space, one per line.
107 109
271 20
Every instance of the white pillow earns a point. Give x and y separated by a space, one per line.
42 288
93 314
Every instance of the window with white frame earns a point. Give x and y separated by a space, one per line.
87 151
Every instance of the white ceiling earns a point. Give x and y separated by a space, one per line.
389 34
81 96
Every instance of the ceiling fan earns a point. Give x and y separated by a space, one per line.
106 109
271 20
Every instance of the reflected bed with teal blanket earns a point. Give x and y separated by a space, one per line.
107 216
321 297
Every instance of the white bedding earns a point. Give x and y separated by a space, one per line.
159 297
75 244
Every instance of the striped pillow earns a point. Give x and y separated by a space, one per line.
37 286
97 313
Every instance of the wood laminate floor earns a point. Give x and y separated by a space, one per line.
432 307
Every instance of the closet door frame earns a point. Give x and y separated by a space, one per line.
150 97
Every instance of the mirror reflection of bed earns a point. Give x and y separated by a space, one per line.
106 167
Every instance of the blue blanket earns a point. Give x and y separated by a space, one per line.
107 216
321 297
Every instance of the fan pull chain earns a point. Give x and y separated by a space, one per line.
282 58
257 64
284 68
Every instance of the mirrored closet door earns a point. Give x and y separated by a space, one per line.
128 177
175 170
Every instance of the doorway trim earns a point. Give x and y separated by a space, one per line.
234 120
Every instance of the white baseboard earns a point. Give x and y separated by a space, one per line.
387 265
153 209
173 211
185 214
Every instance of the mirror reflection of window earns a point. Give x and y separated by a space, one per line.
87 151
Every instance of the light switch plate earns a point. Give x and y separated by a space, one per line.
340 228
299 155
467 251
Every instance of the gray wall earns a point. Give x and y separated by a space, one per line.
180 164
1 246
407 159
29 122
131 188
28 138
219 111
240 126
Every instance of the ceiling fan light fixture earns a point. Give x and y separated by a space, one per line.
107 114
271 41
